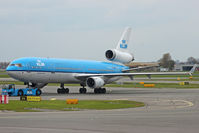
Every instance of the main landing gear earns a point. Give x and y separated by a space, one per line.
83 89
62 90
100 90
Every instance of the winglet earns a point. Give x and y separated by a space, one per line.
193 69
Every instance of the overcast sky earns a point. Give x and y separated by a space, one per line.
85 29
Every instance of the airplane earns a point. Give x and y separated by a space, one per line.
38 72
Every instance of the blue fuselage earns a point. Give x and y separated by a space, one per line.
34 64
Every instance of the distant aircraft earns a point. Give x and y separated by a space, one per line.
38 72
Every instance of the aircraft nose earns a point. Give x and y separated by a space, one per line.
8 68
10 71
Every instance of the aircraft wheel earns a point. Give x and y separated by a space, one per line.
66 90
99 90
38 92
9 93
59 91
20 92
82 90
96 90
103 90
62 91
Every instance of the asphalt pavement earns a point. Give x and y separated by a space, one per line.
166 111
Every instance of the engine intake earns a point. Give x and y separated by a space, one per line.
119 56
95 82
110 55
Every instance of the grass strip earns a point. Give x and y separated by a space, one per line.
11 82
157 85
2 72
22 83
124 85
4 76
181 80
23 106
168 76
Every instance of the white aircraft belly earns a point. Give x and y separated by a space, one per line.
44 77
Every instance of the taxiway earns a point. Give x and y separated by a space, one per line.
166 111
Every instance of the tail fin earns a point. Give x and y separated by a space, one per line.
124 41
121 54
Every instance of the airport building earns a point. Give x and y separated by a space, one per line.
184 67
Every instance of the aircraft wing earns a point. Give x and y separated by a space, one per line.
134 74
83 77
148 74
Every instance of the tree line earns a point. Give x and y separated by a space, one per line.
167 62
3 65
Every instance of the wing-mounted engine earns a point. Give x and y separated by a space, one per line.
95 82
119 56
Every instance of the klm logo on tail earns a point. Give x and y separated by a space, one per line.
123 44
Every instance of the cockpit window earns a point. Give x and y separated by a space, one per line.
17 65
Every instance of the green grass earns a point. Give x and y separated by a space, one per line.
124 85
23 106
4 76
2 71
183 79
195 74
11 82
157 85
167 76
22 83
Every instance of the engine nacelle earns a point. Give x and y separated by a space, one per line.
95 82
119 56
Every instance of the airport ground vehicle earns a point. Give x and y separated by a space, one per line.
12 91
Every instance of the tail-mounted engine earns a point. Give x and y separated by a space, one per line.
119 56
